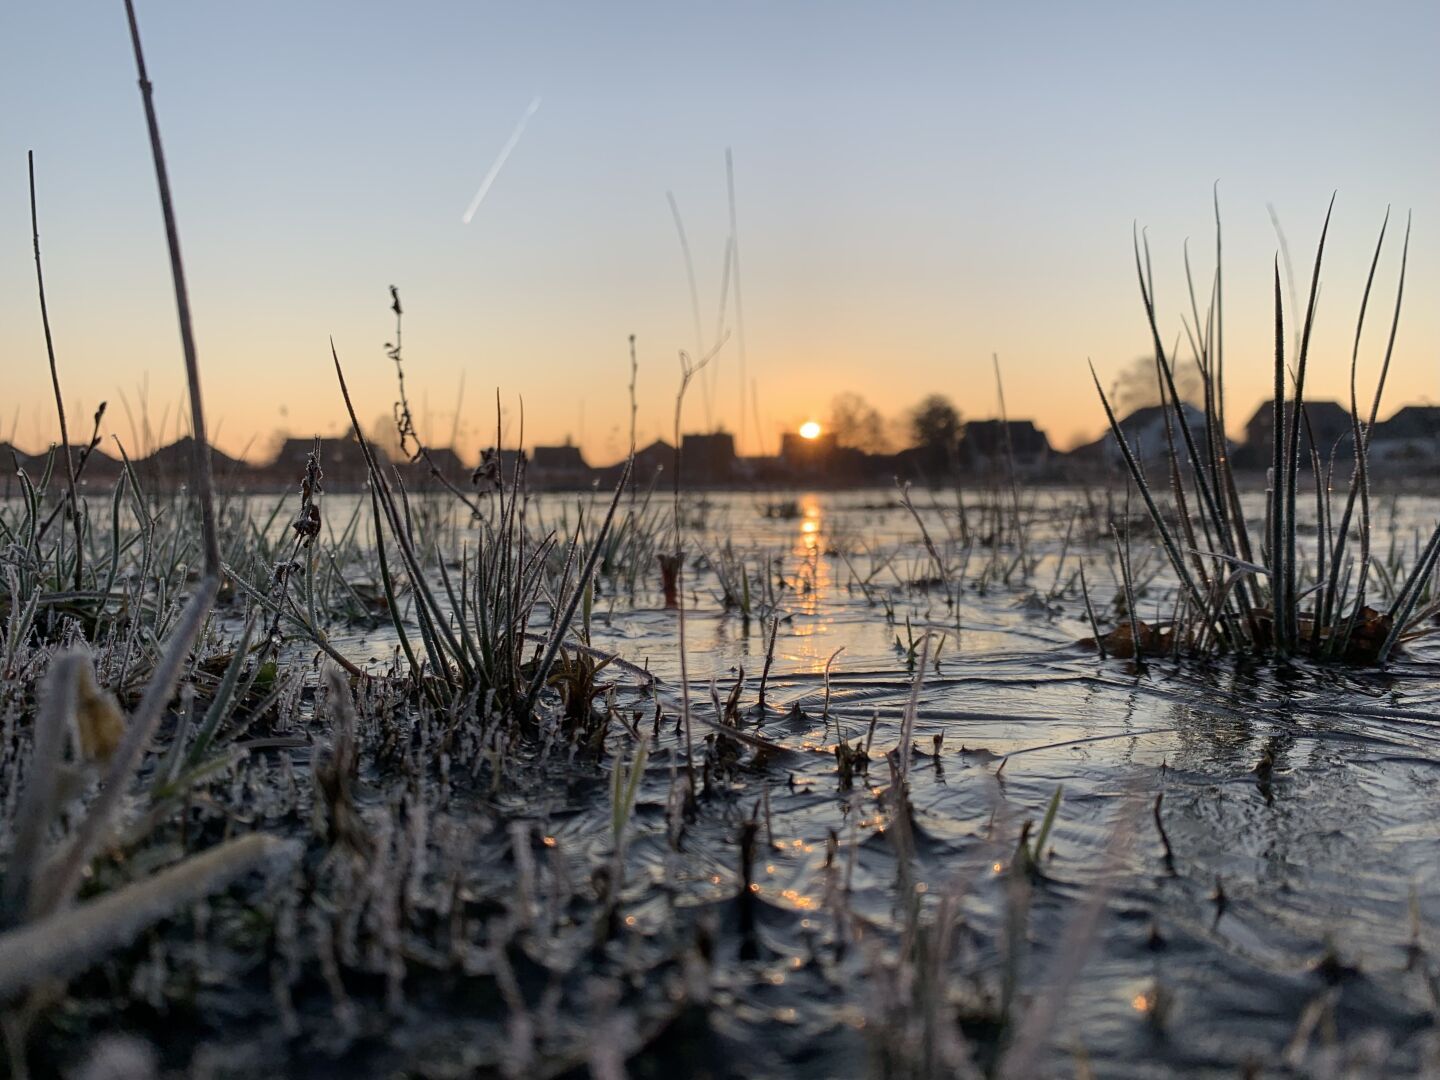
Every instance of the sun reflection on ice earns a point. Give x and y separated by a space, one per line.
814 584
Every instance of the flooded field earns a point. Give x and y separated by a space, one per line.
1113 756
895 821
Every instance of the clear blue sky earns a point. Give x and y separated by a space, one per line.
919 185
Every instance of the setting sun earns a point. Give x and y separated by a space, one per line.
810 430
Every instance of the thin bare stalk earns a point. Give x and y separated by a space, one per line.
1172 550
200 464
55 383
1361 481
1279 605
1292 448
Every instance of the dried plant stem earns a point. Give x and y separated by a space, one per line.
1360 480
37 801
765 671
200 465
55 383
1172 550
1009 457
80 462
1292 449
739 303
66 943
634 407
1090 614
1276 562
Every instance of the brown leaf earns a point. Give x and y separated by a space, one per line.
1120 641
98 719
1368 638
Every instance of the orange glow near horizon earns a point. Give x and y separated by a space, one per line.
920 271
810 430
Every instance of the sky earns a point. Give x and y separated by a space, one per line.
918 186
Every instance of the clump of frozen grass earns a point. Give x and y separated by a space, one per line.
46 935
1259 596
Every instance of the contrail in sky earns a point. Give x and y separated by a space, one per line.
505 152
